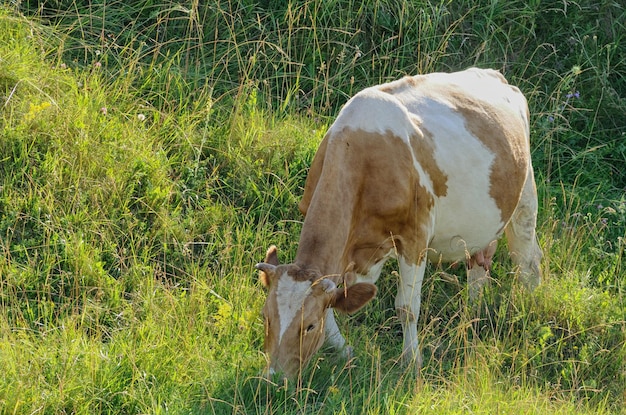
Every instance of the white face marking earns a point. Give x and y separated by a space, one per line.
290 295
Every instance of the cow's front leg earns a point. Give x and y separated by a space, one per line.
407 303
334 338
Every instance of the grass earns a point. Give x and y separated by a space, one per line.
150 152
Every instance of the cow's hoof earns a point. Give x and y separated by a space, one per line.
412 361
347 353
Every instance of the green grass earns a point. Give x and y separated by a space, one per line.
151 151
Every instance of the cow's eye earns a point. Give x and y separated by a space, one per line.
309 328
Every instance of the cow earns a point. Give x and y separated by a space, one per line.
430 167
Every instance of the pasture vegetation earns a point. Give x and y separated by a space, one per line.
151 151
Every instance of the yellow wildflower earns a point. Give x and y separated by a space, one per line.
35 109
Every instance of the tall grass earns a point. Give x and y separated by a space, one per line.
313 55
150 151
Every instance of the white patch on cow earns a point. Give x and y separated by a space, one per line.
455 233
365 112
290 295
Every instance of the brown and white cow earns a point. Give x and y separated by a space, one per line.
431 167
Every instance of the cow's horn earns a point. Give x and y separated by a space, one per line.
328 285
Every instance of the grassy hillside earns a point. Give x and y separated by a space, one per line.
151 151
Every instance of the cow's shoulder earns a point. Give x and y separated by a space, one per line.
374 111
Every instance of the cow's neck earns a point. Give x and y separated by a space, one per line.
327 225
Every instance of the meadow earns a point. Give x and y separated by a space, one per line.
151 151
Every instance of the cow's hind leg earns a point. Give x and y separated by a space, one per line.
407 304
521 236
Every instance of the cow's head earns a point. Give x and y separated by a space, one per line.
295 311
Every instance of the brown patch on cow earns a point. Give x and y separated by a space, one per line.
424 150
270 310
372 201
303 274
495 74
392 210
313 176
392 205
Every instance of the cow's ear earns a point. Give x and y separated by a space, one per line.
266 273
354 297
267 268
